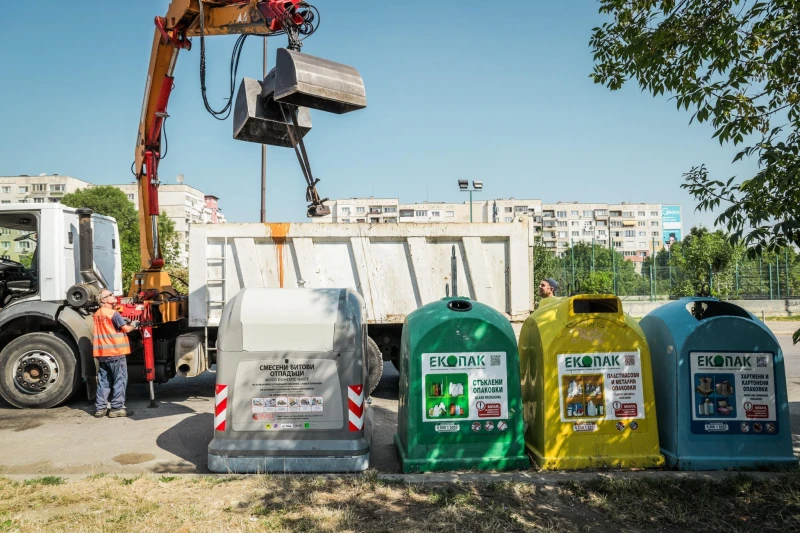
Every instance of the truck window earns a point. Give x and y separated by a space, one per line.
19 256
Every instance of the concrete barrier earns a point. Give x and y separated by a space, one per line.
760 308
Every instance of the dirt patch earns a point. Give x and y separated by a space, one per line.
134 458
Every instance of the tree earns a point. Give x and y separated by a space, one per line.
708 257
112 202
734 63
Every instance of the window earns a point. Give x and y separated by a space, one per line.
509 219
642 234
654 223
449 213
360 220
588 214
345 220
390 219
406 213
359 209
345 210
615 213
390 210
641 223
5 202
655 234
630 233
548 213
641 213
627 214
588 224
616 223
58 187
601 232
6 245
629 254
436 213
602 223
39 187
643 254
5 231
561 214
38 200
130 197
617 244
653 213
573 213
421 213
576 233
521 209
601 213
616 233
508 210
561 223
6 190
575 223
23 189
642 244
562 234
24 245
24 201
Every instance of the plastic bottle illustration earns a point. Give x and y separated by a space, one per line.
709 406
600 410
591 410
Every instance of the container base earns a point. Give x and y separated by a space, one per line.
577 462
686 462
296 465
452 464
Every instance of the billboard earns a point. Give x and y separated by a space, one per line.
670 236
671 217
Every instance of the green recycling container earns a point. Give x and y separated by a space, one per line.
460 403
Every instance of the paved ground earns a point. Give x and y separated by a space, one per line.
174 437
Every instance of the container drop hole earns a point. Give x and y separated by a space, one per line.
459 305
607 305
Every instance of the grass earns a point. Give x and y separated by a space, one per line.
365 503
795 318
740 503
48 480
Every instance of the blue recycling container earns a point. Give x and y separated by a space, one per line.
720 387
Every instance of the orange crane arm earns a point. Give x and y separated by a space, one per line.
221 17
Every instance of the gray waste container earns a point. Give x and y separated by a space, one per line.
291 383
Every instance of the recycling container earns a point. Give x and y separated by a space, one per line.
460 403
291 379
587 386
720 387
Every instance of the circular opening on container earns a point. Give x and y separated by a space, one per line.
459 305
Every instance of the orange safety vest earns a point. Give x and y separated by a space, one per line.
108 342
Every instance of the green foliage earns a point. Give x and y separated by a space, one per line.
734 64
47 480
112 202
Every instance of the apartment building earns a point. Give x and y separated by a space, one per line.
635 230
44 188
184 205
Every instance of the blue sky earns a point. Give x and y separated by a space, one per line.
453 91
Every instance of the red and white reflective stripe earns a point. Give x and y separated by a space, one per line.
355 405
221 397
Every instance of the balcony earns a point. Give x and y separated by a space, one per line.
375 211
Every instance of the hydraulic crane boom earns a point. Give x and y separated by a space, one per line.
171 36
272 111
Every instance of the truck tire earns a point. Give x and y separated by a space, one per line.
39 370
375 360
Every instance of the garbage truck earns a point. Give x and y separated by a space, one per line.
55 252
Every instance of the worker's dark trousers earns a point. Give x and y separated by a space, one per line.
112 378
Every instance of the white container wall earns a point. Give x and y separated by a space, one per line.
397 268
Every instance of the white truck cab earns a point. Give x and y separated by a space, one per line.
45 344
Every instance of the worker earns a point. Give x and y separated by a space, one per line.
111 347
548 288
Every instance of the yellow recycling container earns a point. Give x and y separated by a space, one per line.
587 386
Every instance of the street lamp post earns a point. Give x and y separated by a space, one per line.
477 186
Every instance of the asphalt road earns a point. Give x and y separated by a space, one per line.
174 437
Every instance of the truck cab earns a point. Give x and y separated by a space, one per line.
45 344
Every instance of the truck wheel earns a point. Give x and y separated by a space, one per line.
38 370
375 360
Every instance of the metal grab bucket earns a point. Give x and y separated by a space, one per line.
316 83
257 117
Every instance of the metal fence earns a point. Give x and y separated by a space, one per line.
748 281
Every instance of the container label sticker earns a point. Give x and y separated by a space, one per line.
464 386
600 386
287 395
447 427
733 387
